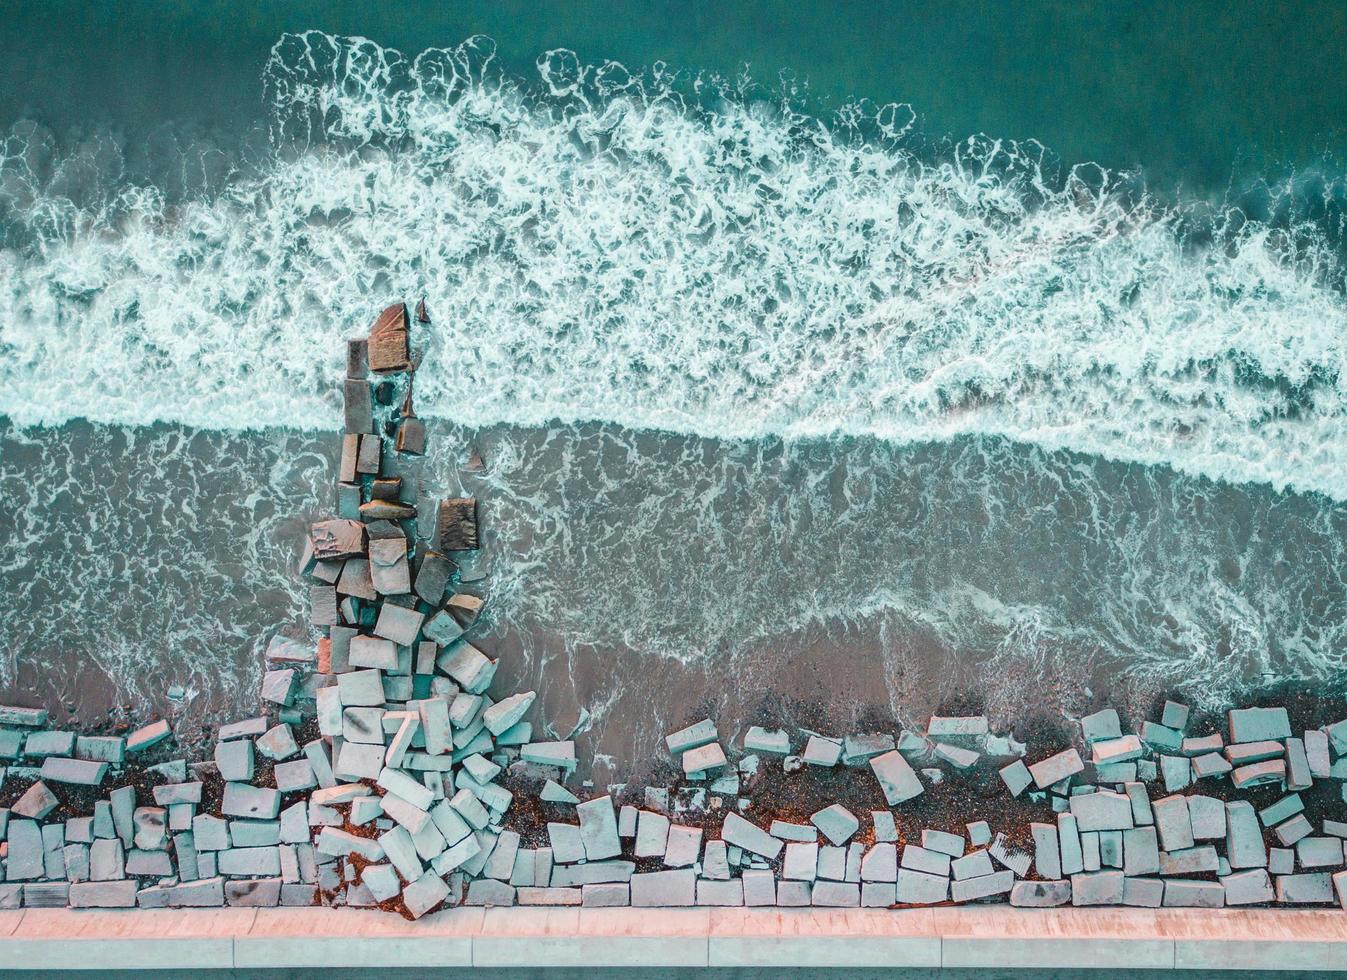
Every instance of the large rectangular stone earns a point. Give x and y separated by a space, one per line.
1258 724
661 888
1102 811
1057 767
738 832
897 779
76 771
1243 838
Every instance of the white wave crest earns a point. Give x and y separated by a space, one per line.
685 255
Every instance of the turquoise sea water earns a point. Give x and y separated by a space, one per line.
987 344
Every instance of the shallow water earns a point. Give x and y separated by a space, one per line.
787 410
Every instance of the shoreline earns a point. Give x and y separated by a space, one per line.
416 787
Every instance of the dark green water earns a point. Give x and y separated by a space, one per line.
1195 93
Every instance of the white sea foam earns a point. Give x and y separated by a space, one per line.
691 257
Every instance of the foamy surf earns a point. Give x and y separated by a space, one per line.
686 256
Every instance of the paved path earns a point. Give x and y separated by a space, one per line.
998 936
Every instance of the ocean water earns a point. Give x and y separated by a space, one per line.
775 399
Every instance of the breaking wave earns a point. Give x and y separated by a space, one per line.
680 253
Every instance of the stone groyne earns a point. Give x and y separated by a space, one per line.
389 770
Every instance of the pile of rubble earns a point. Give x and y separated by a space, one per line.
377 775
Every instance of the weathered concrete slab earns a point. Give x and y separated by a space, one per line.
65 939
320 937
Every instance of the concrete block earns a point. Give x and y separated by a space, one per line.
793 894
1102 811
1189 861
1293 830
606 895
682 846
1010 856
759 887
104 894
1177 772
78 772
35 803
1146 893
794 831
1057 767
1305 889
1040 894
703 759
25 851
972 889
1068 837
1141 852
1173 823
880 863
1243 838
720 893
738 832
1017 777
1207 817
1047 851
801 862
1319 852
1174 715
234 760
1250 887
1258 724
147 736
835 894
242 800
664 888
920 888
1162 738
837 824
1097 888
898 781
974 865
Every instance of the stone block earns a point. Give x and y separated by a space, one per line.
1161 738
278 686
373 652
682 846
1141 852
897 779
1017 777
1040 894
1305 889
1101 725
664 888
456 525
921 888
652 832
703 759
720 893
1252 887
1319 852
972 889
1258 724
104 894
35 803
1056 768
1173 823
1293 830
835 894
836 823
242 800
1189 861
1009 855
1243 837
1047 851
1102 811
822 751
921 859
234 760
25 851
978 864
604 895
738 832
1174 715
78 772
801 861
40 744
598 828
1097 888
1145 893
1207 817
401 626
766 742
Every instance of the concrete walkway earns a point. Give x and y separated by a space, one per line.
997 937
